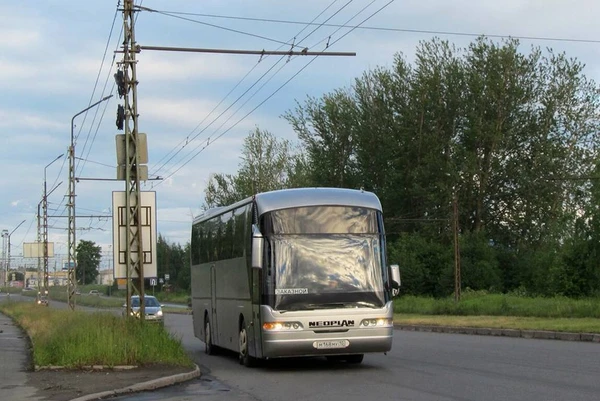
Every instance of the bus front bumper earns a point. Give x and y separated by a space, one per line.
356 341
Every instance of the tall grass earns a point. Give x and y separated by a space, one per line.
75 339
477 303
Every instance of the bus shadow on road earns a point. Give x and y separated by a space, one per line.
297 364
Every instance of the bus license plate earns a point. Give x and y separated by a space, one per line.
331 344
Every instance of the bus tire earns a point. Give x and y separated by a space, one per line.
209 348
358 358
244 356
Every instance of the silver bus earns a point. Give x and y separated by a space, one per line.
296 272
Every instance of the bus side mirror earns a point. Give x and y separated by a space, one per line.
396 281
258 243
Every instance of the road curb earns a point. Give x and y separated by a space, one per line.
145 386
536 334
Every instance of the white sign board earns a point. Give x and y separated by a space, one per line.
148 220
36 249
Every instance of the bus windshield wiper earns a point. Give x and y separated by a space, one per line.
328 305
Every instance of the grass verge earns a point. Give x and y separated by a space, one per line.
573 325
483 304
75 339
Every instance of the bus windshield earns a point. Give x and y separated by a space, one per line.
325 256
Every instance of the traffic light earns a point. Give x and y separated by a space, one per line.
120 117
120 81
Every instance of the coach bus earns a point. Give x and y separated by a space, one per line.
295 272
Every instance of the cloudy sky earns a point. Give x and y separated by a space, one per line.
58 56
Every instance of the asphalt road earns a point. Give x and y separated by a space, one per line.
421 366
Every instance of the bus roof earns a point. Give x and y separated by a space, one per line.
301 197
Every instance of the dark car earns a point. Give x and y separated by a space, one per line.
152 307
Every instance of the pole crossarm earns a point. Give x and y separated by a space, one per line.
263 52
87 216
112 179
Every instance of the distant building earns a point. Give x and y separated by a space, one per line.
105 277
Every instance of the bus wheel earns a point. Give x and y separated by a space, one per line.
244 356
355 358
208 345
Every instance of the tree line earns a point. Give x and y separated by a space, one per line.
510 135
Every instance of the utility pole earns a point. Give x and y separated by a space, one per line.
5 265
134 253
45 227
127 119
457 279
39 241
72 245
8 234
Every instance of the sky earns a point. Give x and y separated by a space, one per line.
57 57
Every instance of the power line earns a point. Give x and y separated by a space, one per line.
243 94
103 91
95 162
188 141
223 112
351 18
208 141
273 93
92 96
216 26
324 22
99 71
103 88
388 29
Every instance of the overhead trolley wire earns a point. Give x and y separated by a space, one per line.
217 26
188 141
208 141
390 29
276 91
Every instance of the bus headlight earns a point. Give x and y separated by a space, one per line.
377 322
282 326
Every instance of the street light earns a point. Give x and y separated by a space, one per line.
8 234
71 206
45 210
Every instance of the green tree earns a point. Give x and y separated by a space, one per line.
88 261
267 163
173 260
495 127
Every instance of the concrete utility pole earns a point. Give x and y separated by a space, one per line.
134 254
72 259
